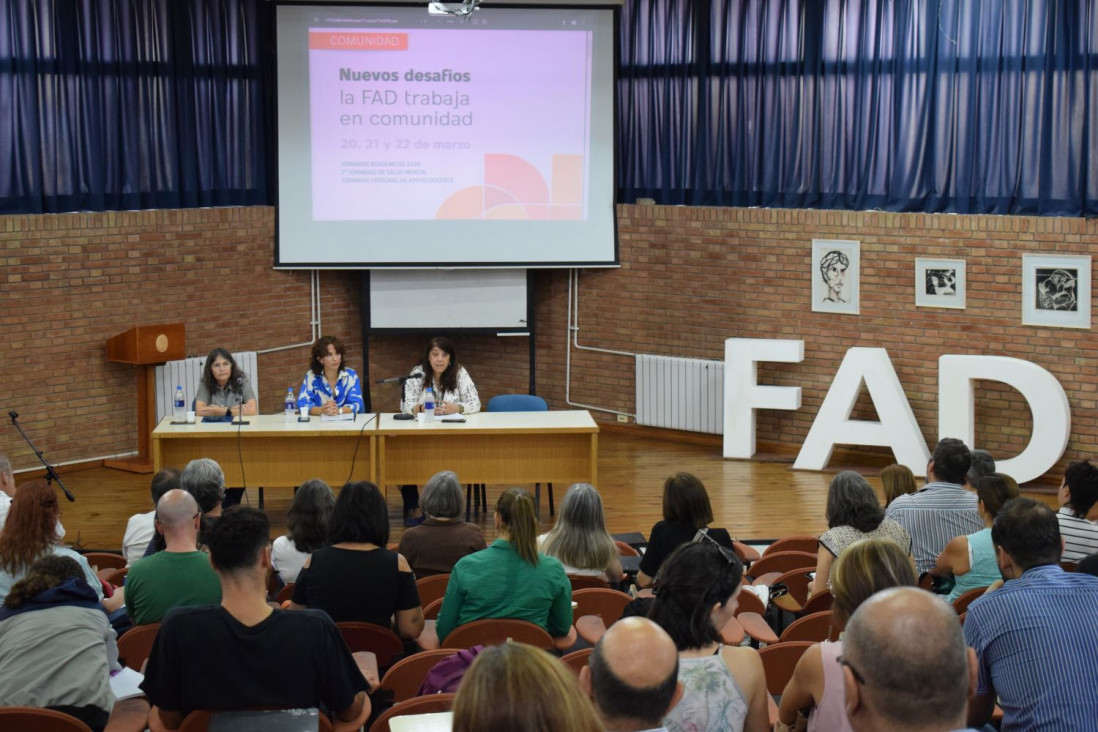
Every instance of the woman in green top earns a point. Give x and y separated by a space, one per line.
971 559
510 579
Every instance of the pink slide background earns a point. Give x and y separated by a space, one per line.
522 157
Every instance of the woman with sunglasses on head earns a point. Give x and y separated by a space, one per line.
330 387
724 687
816 689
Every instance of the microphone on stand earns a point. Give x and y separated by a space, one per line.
238 382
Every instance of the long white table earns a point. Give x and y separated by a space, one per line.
274 452
491 447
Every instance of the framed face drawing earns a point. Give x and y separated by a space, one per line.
940 283
1056 290
836 269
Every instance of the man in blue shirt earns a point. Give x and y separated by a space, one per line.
1036 637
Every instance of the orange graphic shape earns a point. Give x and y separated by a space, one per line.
516 176
467 203
567 179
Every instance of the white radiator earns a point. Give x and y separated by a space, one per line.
680 393
188 374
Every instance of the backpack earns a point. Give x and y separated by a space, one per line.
445 676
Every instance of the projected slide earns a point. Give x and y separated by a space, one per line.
420 124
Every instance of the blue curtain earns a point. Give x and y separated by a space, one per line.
904 105
131 104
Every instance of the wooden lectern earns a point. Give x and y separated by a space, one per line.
145 346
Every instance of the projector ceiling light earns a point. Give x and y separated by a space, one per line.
461 10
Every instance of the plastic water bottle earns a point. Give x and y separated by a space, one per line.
179 407
429 404
291 405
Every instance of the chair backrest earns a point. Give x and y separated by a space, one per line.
606 603
586 582
796 581
822 600
749 602
779 661
747 554
382 642
796 543
430 610
783 562
105 560
415 705
135 645
405 676
815 628
517 403
201 720
286 593
966 598
32 719
432 588
624 550
493 631
117 577
577 659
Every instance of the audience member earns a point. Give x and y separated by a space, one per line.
863 569
514 686
723 686
307 521
970 559
57 646
1088 565
982 466
1077 496
140 529
905 664
179 575
942 509
633 676
7 488
853 514
357 578
897 480
1012 484
203 479
31 533
244 654
436 545
686 512
1035 637
580 539
510 579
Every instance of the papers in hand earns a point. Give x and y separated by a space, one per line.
126 684
762 591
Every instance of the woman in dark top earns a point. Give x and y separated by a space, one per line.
357 578
686 511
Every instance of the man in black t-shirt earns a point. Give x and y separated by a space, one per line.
243 654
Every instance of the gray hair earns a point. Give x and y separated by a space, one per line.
5 467
203 479
851 501
442 496
982 465
580 538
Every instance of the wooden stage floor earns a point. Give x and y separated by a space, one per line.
754 500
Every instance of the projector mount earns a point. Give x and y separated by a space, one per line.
462 10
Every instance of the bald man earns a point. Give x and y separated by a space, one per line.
905 664
633 676
179 575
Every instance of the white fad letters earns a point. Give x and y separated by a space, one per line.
743 394
833 426
1043 393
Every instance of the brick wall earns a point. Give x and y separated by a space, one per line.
690 277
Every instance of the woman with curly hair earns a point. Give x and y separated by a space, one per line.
58 647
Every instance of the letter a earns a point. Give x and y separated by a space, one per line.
833 426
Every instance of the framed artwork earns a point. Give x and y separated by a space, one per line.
940 283
836 270
1056 290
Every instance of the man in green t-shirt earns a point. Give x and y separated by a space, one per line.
179 575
